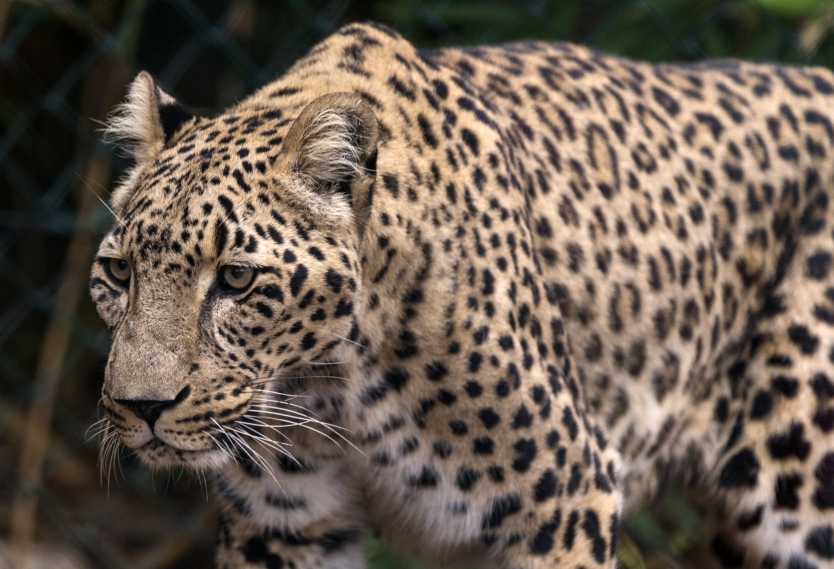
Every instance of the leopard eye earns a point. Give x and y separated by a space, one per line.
118 270
235 277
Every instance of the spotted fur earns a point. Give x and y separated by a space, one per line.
499 295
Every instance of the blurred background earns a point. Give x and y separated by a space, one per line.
64 65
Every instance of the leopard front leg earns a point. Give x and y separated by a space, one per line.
568 503
565 510
774 477
304 514
579 536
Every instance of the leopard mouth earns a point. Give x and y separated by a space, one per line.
156 453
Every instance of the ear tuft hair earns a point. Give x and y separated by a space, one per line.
330 151
332 141
146 120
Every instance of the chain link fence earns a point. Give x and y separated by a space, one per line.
63 67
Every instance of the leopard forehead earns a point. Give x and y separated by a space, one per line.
542 279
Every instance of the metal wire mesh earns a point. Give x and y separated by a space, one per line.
64 65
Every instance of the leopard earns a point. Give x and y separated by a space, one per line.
481 303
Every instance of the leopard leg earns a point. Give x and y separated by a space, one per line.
775 472
566 477
571 538
303 514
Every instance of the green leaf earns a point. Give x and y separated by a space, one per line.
796 8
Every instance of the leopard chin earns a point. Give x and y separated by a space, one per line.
159 455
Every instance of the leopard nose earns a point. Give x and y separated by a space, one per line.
149 410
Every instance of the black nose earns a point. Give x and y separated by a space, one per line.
149 410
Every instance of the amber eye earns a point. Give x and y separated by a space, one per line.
235 277
118 270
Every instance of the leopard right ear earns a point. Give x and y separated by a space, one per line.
331 151
146 120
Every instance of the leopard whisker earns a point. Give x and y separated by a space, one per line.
98 430
246 448
303 377
206 485
179 477
102 457
108 454
202 481
285 421
260 423
304 424
262 462
95 434
224 445
295 414
102 421
277 377
327 363
289 416
348 340
98 427
261 381
104 444
283 402
87 182
284 406
251 430
283 395
267 442
285 415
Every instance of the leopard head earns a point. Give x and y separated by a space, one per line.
233 262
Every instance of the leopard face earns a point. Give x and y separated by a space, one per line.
227 270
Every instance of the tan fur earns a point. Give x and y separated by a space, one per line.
501 294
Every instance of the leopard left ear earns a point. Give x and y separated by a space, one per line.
331 150
147 119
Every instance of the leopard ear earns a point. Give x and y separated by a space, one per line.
331 149
146 120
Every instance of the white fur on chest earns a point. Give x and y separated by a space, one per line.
420 522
